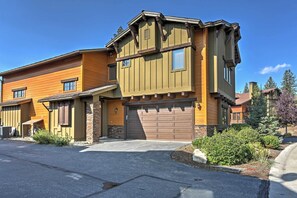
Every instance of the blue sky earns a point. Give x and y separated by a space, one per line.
32 30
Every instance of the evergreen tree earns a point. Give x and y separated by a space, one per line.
270 84
286 109
120 30
257 109
289 82
246 88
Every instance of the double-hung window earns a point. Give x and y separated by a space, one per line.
112 72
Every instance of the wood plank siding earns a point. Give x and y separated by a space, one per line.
42 81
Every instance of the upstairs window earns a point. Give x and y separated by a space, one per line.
227 74
178 59
126 63
69 84
19 93
64 113
112 72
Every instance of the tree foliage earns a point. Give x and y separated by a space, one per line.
289 82
268 126
270 83
286 109
120 30
257 108
246 88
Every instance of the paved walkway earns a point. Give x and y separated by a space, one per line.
283 174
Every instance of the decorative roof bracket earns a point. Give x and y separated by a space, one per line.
160 26
134 33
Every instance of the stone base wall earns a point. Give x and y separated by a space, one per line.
205 130
93 121
116 131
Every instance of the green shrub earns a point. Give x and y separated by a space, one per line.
259 153
268 126
249 135
42 137
238 127
270 141
225 149
60 141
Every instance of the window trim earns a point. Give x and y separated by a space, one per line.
172 60
109 66
126 66
22 89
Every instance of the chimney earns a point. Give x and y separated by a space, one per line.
251 88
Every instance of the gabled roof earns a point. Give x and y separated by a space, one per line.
242 98
55 58
15 102
193 21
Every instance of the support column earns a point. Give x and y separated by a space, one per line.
93 118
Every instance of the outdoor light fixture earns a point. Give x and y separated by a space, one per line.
115 110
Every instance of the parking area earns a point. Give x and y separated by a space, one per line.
111 169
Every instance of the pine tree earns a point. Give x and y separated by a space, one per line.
270 84
289 82
120 30
286 109
246 88
257 109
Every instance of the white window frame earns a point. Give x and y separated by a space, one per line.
173 67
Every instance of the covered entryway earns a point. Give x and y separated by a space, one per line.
172 121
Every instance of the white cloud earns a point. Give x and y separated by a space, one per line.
271 69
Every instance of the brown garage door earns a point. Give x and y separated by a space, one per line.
163 122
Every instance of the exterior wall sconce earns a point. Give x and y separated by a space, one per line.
116 110
198 106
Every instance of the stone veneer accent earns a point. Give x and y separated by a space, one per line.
93 121
204 130
116 131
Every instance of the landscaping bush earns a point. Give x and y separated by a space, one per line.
60 141
270 141
249 135
259 153
225 149
42 137
288 135
238 127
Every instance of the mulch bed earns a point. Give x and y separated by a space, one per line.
253 168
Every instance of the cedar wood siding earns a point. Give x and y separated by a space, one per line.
115 118
95 69
207 114
43 81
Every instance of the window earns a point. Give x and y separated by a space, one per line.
112 72
69 85
146 34
64 113
126 63
227 74
19 93
236 116
178 59
224 115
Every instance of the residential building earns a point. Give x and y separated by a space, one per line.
164 77
243 101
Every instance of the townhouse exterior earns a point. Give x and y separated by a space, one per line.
239 111
164 77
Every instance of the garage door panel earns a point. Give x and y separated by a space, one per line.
173 122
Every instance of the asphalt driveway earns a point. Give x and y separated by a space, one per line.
134 168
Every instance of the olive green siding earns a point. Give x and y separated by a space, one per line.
54 120
151 42
153 75
218 50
